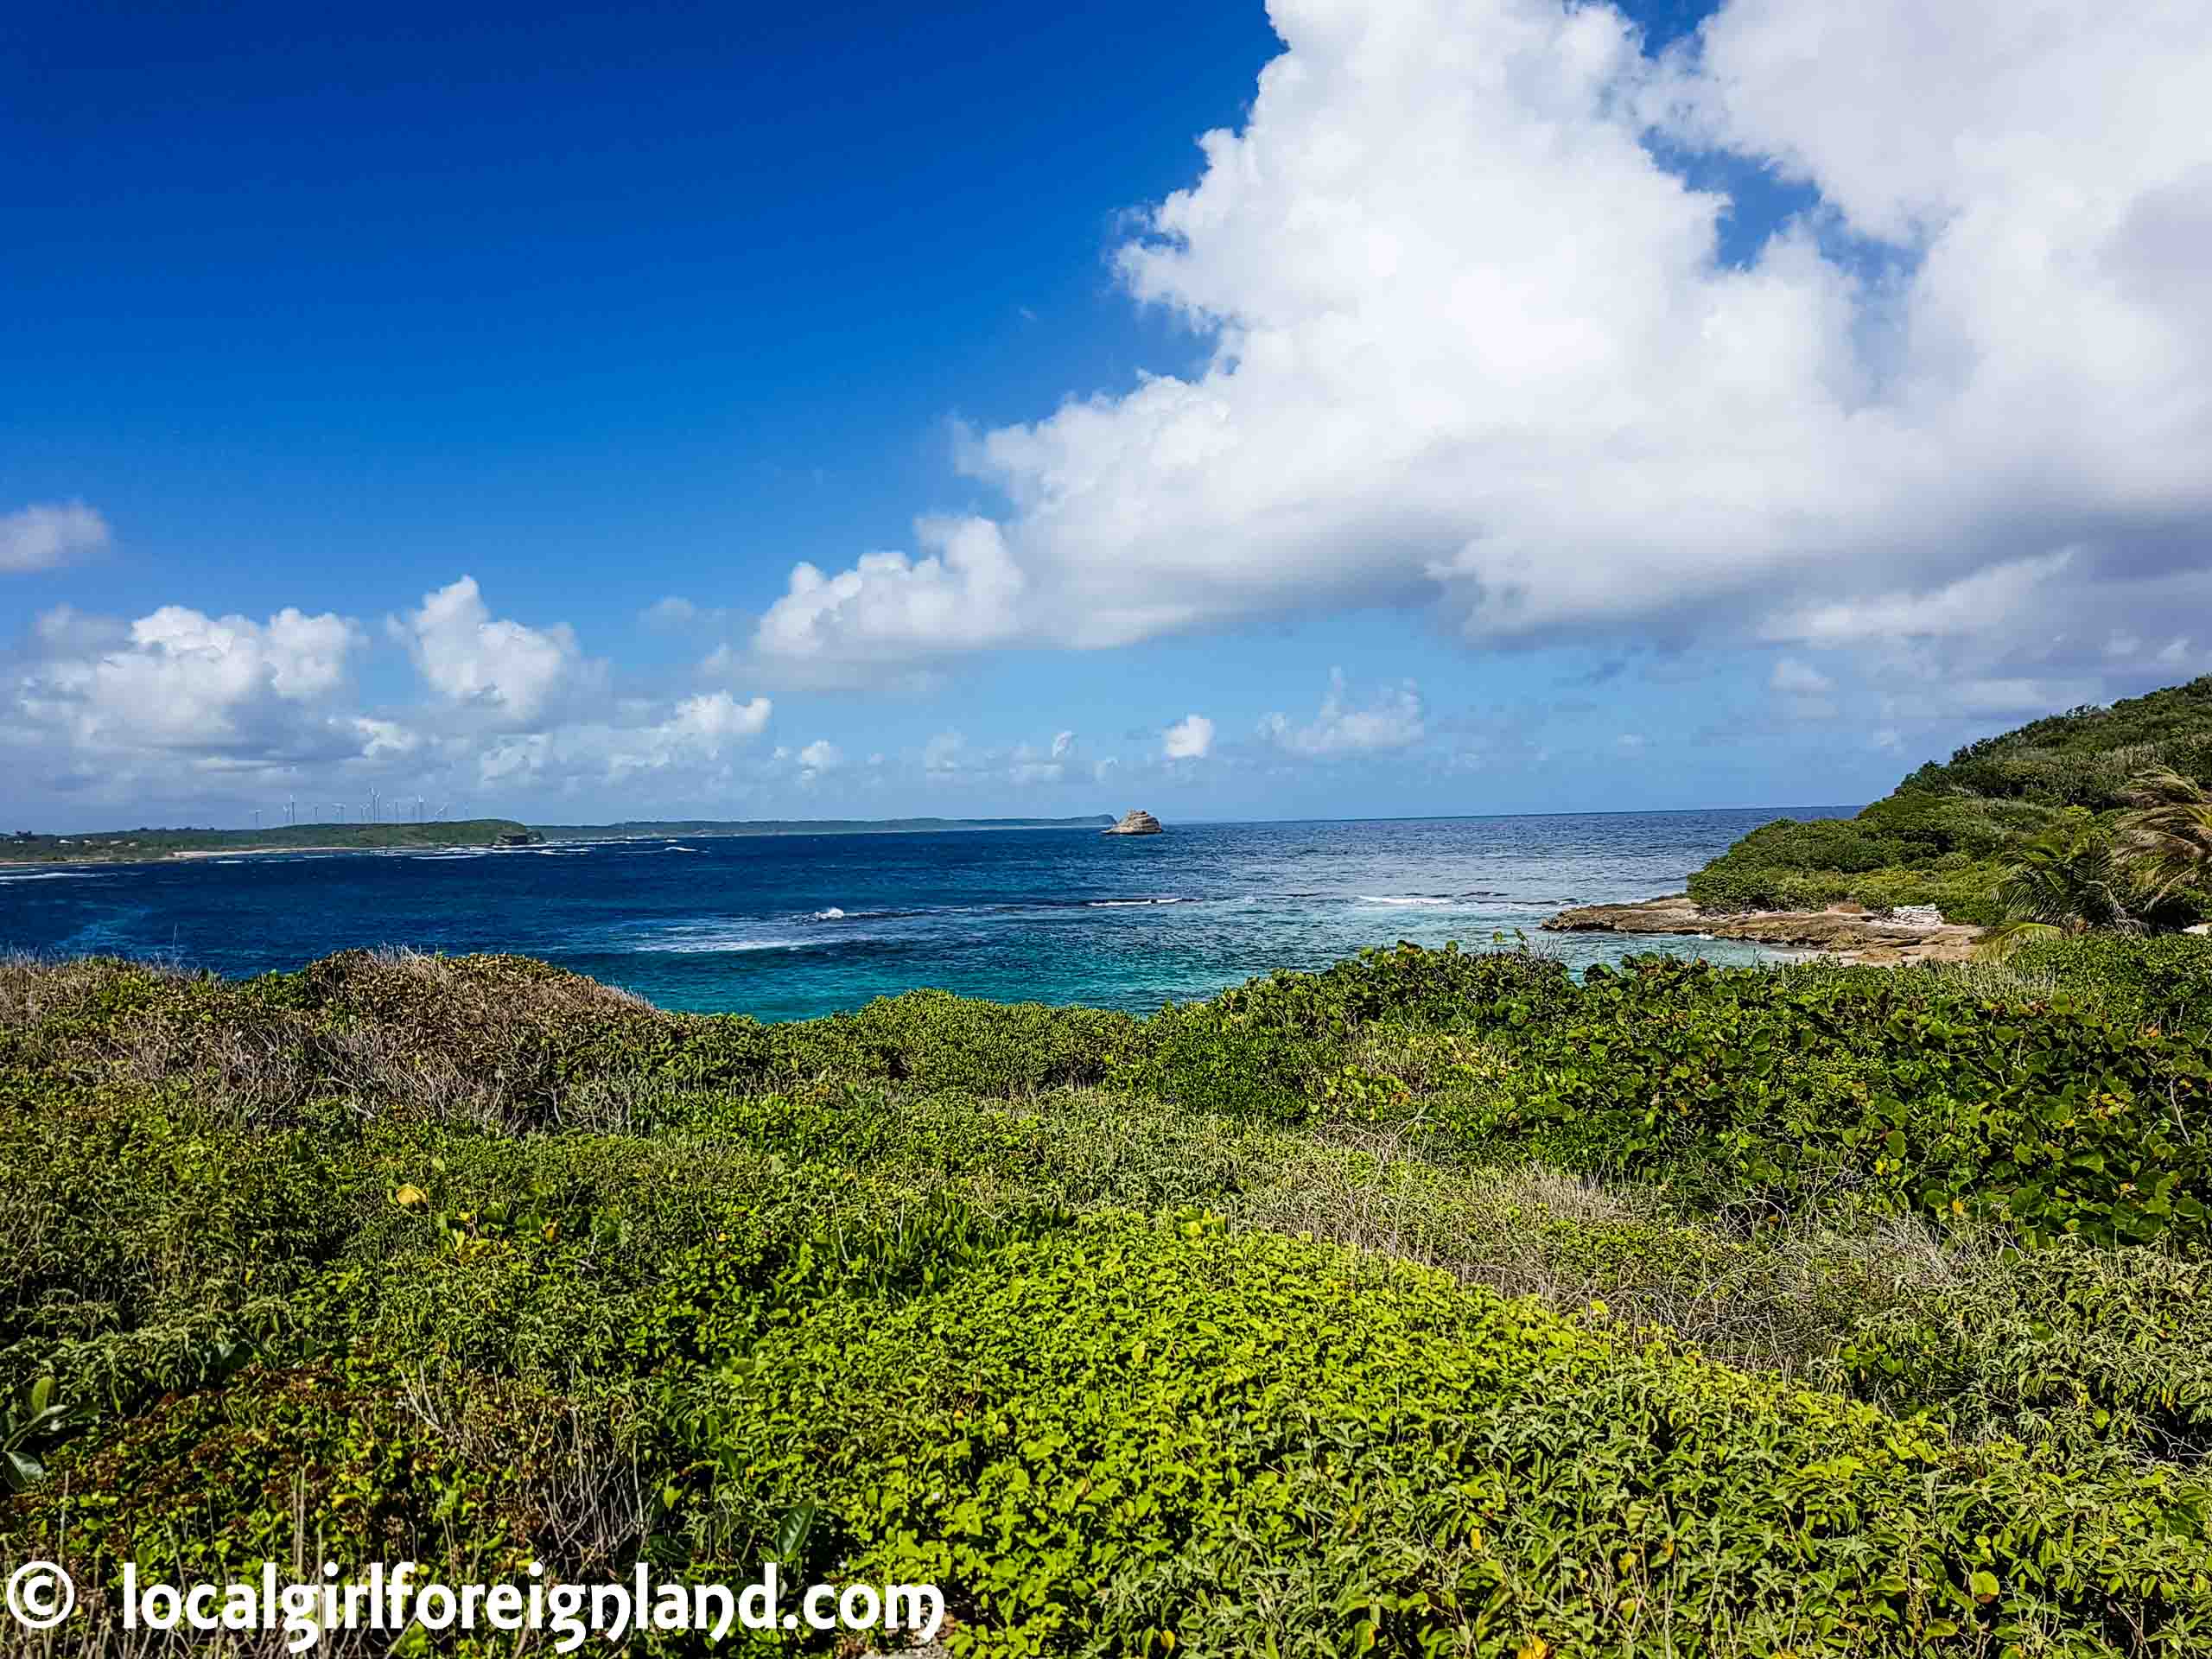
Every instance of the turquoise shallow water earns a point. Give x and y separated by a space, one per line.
784 927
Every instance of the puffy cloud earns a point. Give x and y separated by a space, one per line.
2055 113
693 738
300 656
672 611
501 668
1188 739
387 738
221 691
65 629
1393 722
948 758
717 717
689 745
1474 344
43 535
182 706
819 756
891 608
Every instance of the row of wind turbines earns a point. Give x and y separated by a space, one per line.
377 808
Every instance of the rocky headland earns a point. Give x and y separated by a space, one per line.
1850 931
1135 821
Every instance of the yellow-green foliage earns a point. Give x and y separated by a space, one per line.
1134 1437
1435 1303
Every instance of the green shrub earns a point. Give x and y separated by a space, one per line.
1255 1051
2166 981
119 1209
2047 1117
1141 1438
2109 1345
350 1462
938 1041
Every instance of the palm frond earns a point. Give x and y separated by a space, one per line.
2070 882
2165 843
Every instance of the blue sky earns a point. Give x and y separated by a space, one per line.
1650 464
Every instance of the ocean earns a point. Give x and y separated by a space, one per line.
789 926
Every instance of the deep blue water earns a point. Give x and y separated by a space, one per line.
793 925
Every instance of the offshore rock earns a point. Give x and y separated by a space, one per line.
1135 822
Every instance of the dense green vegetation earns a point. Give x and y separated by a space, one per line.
132 846
1950 834
1437 1303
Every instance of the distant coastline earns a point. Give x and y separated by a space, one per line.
150 846
653 828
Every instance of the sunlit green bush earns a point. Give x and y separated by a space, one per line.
1156 1438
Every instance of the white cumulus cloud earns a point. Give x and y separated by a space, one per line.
688 747
1392 722
717 717
889 607
220 690
183 707
1188 739
497 666
44 535
1475 346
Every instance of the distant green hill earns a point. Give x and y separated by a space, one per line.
805 826
1944 836
131 845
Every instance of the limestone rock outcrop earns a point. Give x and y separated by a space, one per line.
1135 821
1849 931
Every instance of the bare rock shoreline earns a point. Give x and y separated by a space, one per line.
1846 931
